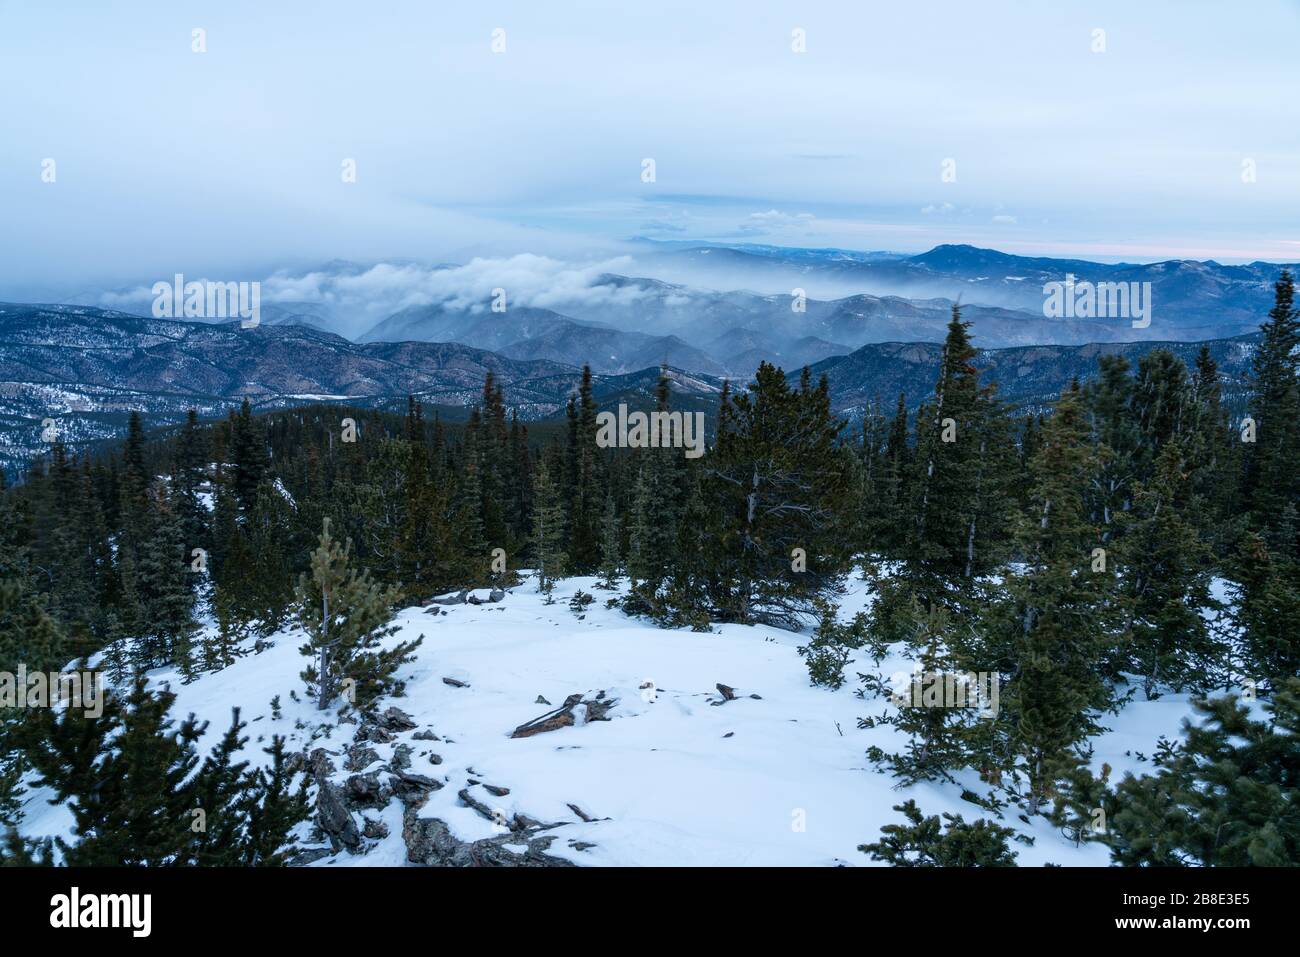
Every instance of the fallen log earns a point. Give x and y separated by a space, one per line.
565 716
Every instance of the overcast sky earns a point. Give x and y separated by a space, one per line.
169 160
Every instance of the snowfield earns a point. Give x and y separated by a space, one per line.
676 776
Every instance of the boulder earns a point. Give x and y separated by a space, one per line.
335 819
365 790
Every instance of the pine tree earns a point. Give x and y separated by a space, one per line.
548 529
1225 797
1167 581
219 793
274 809
778 482
189 475
585 493
1115 431
1266 593
610 561
963 455
1214 460
832 645
1059 620
344 614
248 452
124 775
166 629
946 709
658 500
28 637
1271 480
925 842
956 520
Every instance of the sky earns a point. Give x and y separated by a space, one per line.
501 129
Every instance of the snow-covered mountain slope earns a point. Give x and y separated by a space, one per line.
674 776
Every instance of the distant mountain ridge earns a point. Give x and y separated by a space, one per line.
87 369
817 303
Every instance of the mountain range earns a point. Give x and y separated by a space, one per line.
87 369
711 320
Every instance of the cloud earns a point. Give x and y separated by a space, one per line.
776 217
360 296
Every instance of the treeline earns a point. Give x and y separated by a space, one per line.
1070 554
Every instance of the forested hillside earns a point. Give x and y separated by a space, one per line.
1071 556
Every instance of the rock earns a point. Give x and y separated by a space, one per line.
494 789
319 764
496 817
413 789
429 841
564 716
454 683
335 819
395 719
458 599
729 734
435 759
365 790
496 594
728 693
541 700
307 855
376 733
375 829
360 757
401 758
425 736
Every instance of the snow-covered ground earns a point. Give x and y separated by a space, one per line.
673 778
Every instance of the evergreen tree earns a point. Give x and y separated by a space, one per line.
1266 593
219 794
1115 432
832 646
124 774
28 637
1059 620
585 492
248 454
548 529
610 561
926 842
1272 481
164 588
947 723
274 809
779 484
658 501
963 458
344 614
1166 577
1227 796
